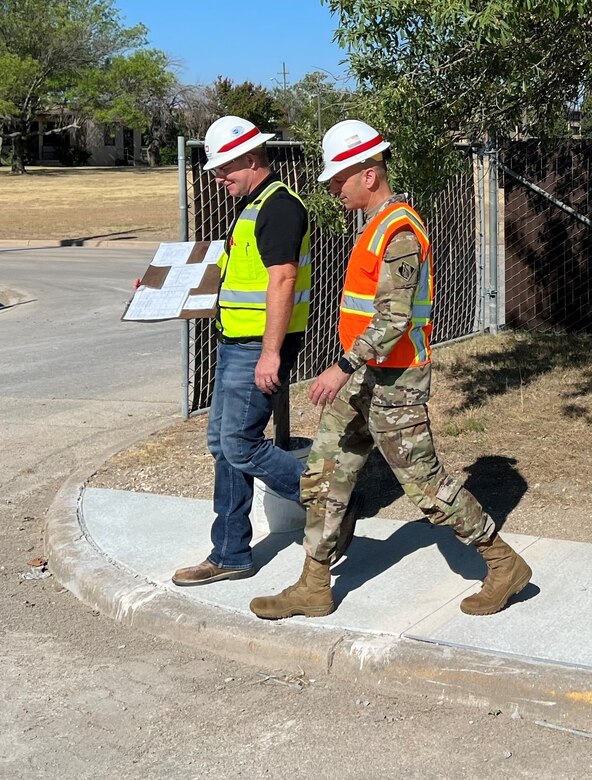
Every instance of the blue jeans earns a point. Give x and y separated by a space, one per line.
238 416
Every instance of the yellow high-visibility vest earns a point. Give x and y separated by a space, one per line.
243 292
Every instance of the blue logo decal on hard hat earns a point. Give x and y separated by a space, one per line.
238 130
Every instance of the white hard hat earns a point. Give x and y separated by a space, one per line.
229 137
347 143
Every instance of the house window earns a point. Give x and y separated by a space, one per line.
108 136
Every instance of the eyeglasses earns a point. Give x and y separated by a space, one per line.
222 171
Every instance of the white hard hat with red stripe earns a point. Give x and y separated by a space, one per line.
347 143
229 137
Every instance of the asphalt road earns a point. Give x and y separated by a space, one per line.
84 697
71 372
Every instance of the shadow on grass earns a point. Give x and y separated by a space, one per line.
519 363
494 480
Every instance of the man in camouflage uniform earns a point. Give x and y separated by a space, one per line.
366 404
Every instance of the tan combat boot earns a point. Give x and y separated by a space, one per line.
507 575
310 596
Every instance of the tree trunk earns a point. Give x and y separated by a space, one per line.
153 153
18 155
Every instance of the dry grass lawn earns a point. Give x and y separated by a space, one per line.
68 203
511 414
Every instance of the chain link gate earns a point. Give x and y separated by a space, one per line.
454 225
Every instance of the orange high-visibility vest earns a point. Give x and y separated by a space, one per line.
361 281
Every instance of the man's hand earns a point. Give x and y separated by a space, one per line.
266 372
327 385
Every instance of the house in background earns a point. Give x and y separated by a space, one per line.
93 143
113 145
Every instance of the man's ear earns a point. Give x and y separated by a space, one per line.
370 177
251 161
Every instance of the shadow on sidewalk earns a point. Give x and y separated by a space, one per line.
367 558
265 550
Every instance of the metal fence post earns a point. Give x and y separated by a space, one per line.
183 236
482 240
493 194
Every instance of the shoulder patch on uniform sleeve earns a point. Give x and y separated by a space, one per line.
405 271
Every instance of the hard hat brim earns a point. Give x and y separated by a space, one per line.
248 146
333 168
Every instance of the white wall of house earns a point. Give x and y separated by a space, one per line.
107 146
116 146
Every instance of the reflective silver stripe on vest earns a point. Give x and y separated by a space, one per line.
421 311
385 225
242 296
250 297
417 336
250 214
363 305
302 296
423 284
304 260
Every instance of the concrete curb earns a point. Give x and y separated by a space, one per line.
558 695
103 243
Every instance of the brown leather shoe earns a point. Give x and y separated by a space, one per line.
206 572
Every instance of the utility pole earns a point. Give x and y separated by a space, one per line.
319 124
284 74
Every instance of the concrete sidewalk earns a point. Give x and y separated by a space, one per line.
398 621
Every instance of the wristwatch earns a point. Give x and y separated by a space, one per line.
345 365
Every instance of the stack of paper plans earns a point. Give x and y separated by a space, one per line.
178 282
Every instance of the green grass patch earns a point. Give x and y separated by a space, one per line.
464 425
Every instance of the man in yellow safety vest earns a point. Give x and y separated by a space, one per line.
263 309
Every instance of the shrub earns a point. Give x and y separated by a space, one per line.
73 156
168 155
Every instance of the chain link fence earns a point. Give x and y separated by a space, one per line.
548 235
452 225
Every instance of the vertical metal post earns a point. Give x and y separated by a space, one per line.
493 194
359 221
319 123
183 236
183 222
482 241
281 417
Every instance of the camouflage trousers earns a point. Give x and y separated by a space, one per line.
358 419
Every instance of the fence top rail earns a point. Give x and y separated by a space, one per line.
199 144
535 188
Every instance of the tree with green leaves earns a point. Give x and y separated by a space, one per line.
436 70
138 90
247 100
587 115
316 102
47 47
311 106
